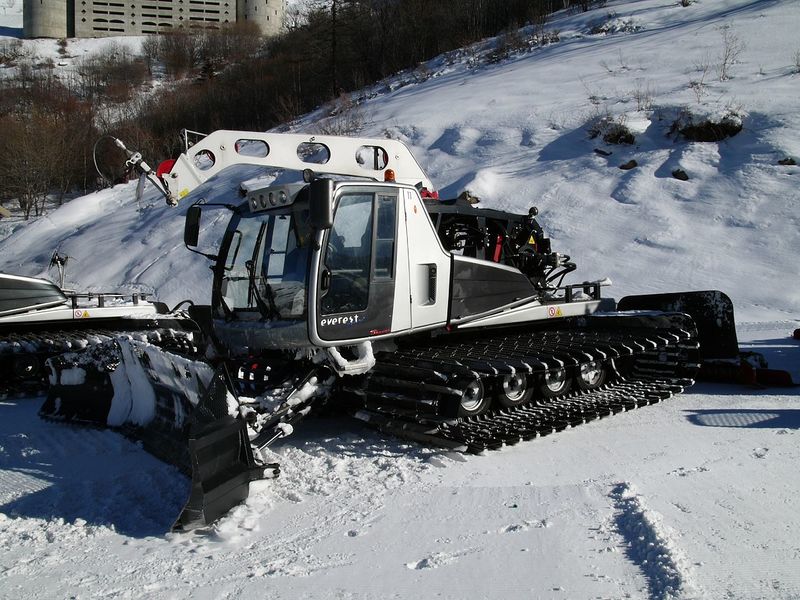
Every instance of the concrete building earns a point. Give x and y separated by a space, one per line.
100 18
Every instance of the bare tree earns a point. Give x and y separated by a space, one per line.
732 47
25 163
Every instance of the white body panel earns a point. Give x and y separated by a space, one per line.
281 151
401 317
534 311
429 305
87 313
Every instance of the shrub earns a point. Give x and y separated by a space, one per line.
643 94
10 51
346 118
732 47
706 129
613 130
112 73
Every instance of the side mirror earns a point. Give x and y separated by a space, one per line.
320 203
191 229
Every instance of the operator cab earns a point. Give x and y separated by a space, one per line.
259 297
326 264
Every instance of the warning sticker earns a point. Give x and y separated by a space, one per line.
82 314
554 311
78 313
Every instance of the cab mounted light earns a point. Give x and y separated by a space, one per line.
388 176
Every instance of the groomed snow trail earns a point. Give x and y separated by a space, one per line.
692 498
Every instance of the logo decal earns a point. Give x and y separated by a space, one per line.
340 320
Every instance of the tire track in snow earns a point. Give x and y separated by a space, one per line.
650 545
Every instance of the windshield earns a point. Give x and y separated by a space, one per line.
266 263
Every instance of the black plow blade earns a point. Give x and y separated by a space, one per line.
221 459
176 408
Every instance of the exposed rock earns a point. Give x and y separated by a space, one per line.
631 164
680 174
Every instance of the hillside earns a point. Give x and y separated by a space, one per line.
692 498
515 134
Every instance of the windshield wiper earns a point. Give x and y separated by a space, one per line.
268 311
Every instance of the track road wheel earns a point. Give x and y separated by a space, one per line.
514 390
591 375
473 401
555 383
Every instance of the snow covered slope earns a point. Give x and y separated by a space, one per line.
692 498
515 133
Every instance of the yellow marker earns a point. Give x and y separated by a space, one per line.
85 314
183 192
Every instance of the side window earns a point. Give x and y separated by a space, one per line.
235 283
384 240
348 255
277 248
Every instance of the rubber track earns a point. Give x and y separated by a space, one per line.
405 392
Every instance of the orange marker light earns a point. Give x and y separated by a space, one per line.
388 175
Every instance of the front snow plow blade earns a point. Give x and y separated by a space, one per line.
176 407
221 459
222 466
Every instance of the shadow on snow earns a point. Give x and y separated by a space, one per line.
99 476
761 418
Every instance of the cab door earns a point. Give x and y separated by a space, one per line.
358 272
429 266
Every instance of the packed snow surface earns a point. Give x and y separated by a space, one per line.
693 498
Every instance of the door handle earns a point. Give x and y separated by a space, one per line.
431 284
325 280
